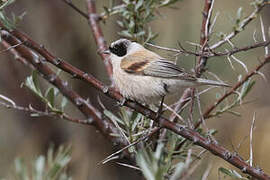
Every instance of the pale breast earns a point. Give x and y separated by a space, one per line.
137 87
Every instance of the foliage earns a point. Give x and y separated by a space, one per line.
50 167
49 98
231 173
169 157
136 16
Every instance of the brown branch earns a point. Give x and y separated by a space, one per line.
202 60
235 87
93 19
237 50
242 25
104 126
207 13
209 53
94 116
31 110
69 2
15 54
206 54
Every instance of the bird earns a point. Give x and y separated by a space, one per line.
146 77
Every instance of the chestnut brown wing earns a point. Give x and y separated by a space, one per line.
153 66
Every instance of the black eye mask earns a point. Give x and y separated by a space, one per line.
119 49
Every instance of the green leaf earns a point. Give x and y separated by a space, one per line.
111 116
231 173
32 83
138 4
136 121
120 23
125 33
147 172
8 2
35 115
178 171
39 167
50 96
126 1
21 170
247 86
239 13
63 103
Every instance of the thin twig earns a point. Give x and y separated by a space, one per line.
32 110
94 117
93 19
207 171
129 166
235 87
192 135
69 2
211 53
243 24
251 140
147 135
264 36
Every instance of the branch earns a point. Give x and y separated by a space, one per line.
93 115
209 53
104 126
236 86
93 19
243 24
69 2
31 110
207 13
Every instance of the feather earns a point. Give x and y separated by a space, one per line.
148 63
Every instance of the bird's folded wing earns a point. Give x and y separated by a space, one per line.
154 66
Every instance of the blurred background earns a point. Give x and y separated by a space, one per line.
67 35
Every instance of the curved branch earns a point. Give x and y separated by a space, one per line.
93 115
235 87
191 135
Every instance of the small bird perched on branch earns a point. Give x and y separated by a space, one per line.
144 76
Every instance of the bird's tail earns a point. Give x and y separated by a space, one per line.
201 81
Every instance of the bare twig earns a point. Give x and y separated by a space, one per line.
32 110
92 113
93 19
144 137
264 36
209 54
128 166
190 119
208 4
235 87
207 171
243 24
250 140
94 117
69 2
15 54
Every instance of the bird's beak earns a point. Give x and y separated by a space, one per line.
107 51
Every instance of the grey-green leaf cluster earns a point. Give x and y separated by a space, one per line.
49 97
136 16
50 167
